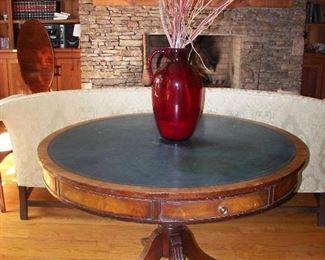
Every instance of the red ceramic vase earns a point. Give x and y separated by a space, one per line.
177 95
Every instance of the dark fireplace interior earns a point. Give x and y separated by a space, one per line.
216 52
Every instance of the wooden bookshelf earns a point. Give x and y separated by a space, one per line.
313 69
10 26
315 28
67 60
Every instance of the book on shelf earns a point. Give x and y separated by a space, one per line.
33 9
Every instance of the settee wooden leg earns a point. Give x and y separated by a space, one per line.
23 203
321 213
2 198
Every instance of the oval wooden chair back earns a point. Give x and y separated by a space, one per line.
35 56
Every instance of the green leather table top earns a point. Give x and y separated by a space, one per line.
128 150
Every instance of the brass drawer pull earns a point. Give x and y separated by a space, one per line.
223 210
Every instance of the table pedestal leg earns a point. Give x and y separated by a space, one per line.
175 242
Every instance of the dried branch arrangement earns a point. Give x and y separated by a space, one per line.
181 18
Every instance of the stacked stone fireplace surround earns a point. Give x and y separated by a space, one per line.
266 47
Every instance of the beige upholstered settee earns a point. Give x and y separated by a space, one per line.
31 118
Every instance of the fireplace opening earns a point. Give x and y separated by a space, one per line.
220 55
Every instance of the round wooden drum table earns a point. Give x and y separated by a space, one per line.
120 167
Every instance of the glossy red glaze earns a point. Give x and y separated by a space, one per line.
177 95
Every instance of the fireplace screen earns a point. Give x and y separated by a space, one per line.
212 56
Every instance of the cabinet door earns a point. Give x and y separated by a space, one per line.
4 85
67 75
312 78
16 82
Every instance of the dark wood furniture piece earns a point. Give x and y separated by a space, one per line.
313 75
120 167
313 69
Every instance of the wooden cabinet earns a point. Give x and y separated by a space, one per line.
67 70
11 81
4 89
67 76
313 75
16 84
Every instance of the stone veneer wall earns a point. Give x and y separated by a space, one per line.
270 53
236 62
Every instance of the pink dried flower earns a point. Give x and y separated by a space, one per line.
178 18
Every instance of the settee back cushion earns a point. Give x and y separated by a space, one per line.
31 118
301 116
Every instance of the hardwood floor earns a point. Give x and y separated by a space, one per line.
63 233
